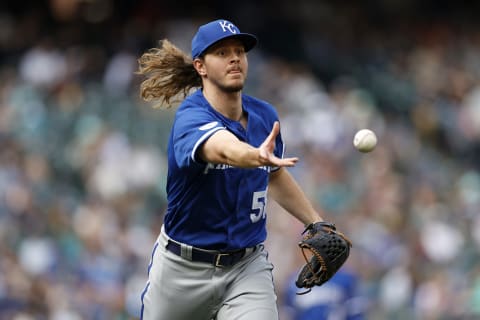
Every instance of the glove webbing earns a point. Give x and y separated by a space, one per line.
323 265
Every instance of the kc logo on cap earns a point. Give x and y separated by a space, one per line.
228 25
212 32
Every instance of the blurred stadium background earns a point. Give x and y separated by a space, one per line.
82 159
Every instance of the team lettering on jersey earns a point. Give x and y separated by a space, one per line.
222 166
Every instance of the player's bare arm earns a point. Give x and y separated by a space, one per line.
224 147
283 188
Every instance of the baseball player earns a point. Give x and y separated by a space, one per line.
225 157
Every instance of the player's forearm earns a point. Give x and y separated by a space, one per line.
240 154
287 193
224 147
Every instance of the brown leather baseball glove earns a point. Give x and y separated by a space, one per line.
329 250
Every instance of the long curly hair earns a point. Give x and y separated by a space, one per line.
169 75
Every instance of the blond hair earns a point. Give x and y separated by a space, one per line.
169 72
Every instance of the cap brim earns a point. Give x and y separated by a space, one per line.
249 41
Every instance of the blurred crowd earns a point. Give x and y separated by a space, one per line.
82 159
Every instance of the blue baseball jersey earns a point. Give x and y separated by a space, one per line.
217 206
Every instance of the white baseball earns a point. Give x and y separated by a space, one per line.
365 140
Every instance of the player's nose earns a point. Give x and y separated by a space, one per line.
234 57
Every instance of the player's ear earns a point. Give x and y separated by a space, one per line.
199 65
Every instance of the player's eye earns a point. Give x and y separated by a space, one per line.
221 52
240 51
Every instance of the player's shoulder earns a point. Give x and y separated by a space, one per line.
247 99
258 105
193 106
195 99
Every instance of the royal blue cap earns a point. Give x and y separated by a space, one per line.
212 32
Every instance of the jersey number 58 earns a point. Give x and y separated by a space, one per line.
259 202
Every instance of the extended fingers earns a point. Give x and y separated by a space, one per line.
275 130
286 162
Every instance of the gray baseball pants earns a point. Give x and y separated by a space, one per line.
180 289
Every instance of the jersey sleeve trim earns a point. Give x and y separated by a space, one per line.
204 137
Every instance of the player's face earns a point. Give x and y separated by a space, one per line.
226 65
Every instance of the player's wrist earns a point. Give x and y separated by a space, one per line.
319 225
318 219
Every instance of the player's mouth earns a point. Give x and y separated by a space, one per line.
235 75
234 71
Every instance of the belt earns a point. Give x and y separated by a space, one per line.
218 259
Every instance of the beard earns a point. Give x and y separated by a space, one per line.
232 88
229 88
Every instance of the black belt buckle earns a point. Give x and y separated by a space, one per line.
228 259
218 258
